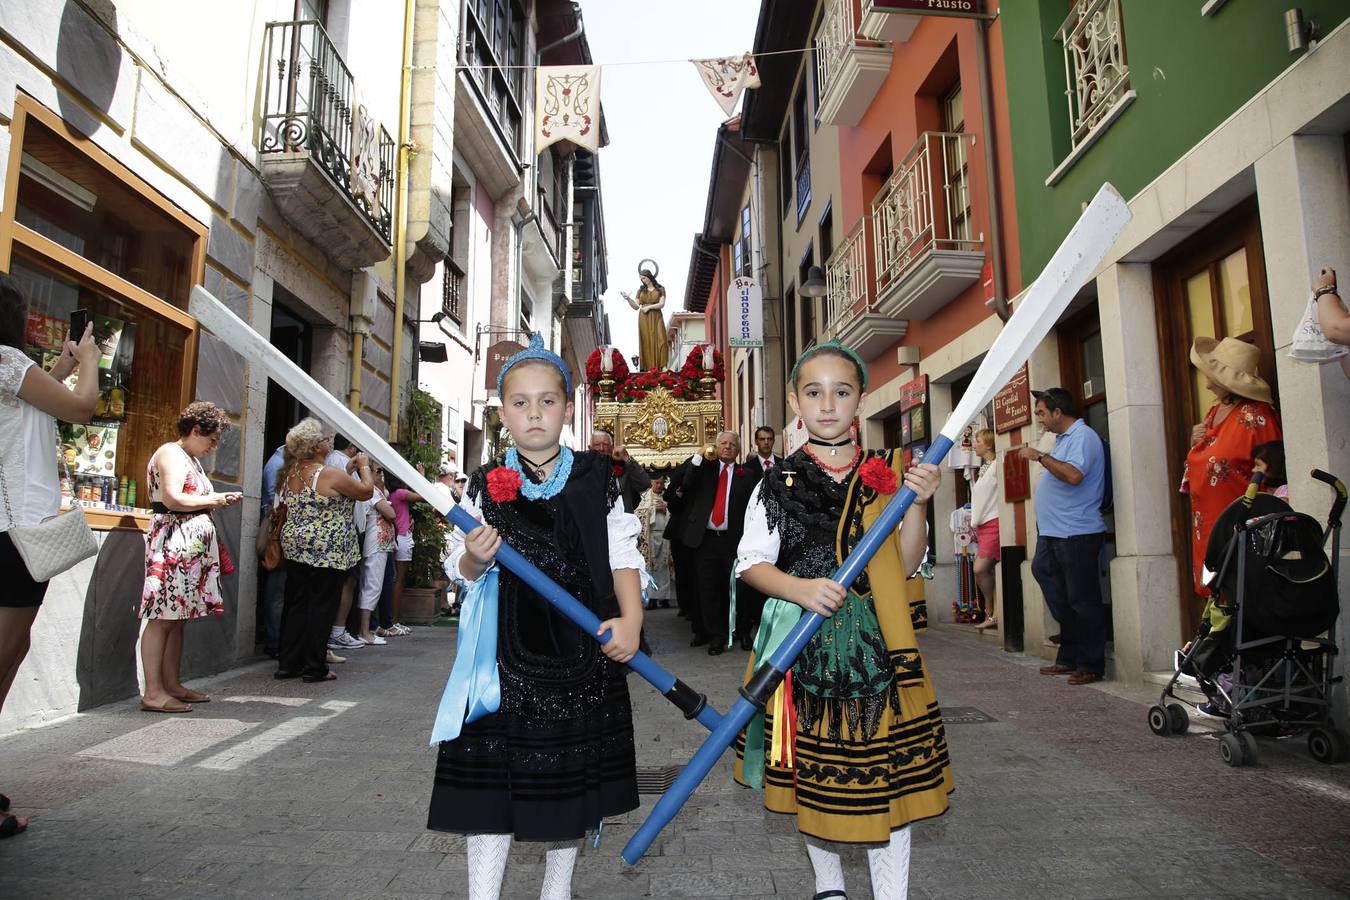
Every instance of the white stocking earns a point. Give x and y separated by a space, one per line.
559 862
890 867
487 865
829 870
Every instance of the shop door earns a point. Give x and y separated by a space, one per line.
294 337
1212 285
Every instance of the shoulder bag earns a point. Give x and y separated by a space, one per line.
55 544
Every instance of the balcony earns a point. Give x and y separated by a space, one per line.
849 68
851 313
327 163
924 251
882 20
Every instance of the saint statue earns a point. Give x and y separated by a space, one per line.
653 350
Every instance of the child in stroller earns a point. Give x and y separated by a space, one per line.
1263 654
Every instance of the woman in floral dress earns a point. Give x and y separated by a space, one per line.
1219 464
183 555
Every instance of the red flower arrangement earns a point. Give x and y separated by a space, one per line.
503 484
638 386
618 367
878 476
692 370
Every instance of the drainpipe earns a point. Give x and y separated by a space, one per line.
1000 302
519 228
400 219
358 351
576 33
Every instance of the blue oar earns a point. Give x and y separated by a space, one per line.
1071 266
693 704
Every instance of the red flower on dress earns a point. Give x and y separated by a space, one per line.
878 476
618 470
503 484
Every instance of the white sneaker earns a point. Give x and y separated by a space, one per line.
351 643
374 639
334 659
336 644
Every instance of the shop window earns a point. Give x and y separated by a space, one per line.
84 233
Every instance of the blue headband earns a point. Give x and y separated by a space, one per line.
536 351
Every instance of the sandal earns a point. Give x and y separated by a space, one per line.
311 679
165 708
989 622
825 895
191 696
12 825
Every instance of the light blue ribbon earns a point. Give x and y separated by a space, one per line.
473 690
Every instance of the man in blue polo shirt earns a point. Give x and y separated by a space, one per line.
1070 533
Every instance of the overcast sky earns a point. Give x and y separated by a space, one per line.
662 124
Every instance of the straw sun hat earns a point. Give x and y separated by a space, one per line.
1232 364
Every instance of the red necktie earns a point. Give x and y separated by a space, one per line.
768 463
719 513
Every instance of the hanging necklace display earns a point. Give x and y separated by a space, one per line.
834 447
834 469
551 486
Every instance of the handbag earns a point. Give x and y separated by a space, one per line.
56 543
272 557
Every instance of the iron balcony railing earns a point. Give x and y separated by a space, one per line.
836 37
803 186
847 279
924 206
311 104
1095 69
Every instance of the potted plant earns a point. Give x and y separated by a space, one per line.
426 575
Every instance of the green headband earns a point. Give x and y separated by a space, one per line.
829 345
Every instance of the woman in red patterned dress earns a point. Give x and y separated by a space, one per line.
1219 464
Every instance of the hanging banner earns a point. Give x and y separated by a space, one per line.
745 313
727 77
567 106
365 159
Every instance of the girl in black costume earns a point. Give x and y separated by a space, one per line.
555 756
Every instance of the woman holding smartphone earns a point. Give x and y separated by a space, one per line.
183 554
31 401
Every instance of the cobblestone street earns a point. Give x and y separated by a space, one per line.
279 789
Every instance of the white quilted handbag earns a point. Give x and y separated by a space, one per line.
53 545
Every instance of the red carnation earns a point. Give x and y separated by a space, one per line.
878 476
740 471
503 484
618 470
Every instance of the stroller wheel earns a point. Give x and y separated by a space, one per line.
1158 720
1327 745
1233 750
1251 756
1176 715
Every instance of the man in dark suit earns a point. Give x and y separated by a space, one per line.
633 479
764 458
750 602
716 493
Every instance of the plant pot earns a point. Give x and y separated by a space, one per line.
420 605
606 386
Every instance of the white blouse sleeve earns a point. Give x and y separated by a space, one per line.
456 542
624 528
14 366
758 543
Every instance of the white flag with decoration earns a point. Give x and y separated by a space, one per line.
726 77
567 106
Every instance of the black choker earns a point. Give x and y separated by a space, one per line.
834 447
537 469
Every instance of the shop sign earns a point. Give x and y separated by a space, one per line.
497 355
961 8
745 313
1016 477
1012 405
914 393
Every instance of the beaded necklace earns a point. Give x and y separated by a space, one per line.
549 487
834 469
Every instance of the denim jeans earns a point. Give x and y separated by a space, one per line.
274 595
1067 569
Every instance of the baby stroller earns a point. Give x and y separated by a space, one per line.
1271 575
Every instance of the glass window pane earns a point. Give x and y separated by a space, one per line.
140 376
1094 367
1200 317
68 199
1236 292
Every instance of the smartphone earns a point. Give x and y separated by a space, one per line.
79 320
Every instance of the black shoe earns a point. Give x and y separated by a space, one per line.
682 614
716 650
747 643
698 641
1054 639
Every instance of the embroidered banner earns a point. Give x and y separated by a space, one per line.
727 77
567 106
365 158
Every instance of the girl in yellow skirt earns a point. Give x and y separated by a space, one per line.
852 743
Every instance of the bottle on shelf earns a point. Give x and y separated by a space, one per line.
117 400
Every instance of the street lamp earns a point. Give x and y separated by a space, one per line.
814 285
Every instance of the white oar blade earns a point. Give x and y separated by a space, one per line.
240 337
1045 301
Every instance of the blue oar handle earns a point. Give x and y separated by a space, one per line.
693 704
756 693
